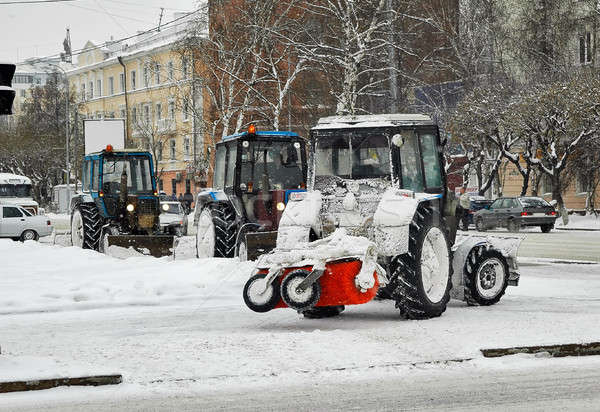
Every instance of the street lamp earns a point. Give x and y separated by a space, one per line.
67 162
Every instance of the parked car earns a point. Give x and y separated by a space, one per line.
19 224
516 212
173 219
477 203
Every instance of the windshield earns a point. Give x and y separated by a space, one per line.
139 180
15 190
533 202
172 208
271 165
364 155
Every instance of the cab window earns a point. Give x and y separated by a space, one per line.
231 161
11 212
412 176
431 163
85 178
96 176
219 177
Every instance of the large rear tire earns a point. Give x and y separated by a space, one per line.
216 231
423 276
486 277
86 227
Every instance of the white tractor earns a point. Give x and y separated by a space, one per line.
377 196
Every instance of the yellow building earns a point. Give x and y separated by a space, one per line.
148 82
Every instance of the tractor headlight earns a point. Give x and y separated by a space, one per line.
280 206
165 207
130 207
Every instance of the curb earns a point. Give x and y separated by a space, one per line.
577 229
556 351
36 385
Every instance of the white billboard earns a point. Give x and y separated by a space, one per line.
102 132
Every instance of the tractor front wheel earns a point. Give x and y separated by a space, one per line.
422 277
486 277
216 232
86 227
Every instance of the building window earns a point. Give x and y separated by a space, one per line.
99 87
111 86
172 110
146 77
158 111
160 150
134 114
91 91
122 113
147 114
157 73
22 92
583 183
188 186
160 185
585 48
133 80
186 146
172 149
545 184
170 71
122 81
82 91
185 110
174 186
184 67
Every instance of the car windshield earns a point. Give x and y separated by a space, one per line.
271 165
139 180
15 190
533 202
361 156
171 208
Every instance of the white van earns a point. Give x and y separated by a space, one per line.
16 190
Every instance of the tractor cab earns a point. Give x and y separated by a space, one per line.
258 171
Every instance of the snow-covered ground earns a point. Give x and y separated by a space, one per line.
580 222
181 325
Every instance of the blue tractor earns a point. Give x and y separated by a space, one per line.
118 204
255 174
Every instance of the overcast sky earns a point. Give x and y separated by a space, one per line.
34 30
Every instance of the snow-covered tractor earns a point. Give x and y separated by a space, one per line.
118 204
255 173
378 218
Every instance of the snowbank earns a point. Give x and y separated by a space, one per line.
580 222
39 277
30 368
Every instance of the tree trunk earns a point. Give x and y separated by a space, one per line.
557 195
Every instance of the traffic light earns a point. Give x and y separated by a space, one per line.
7 93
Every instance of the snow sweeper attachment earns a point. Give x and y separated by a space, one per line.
328 273
155 245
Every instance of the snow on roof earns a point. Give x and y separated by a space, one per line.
376 120
9 178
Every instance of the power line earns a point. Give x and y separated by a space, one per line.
34 1
83 49
105 12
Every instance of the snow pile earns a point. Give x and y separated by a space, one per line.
38 277
30 368
580 222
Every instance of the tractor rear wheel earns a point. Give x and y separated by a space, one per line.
216 231
86 227
422 277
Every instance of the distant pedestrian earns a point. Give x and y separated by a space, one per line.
188 199
464 205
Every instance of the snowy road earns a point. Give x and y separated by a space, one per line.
182 338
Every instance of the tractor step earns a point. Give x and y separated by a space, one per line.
155 245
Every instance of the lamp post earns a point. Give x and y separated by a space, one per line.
67 162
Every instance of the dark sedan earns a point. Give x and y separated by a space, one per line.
516 212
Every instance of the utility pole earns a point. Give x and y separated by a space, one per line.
120 59
393 59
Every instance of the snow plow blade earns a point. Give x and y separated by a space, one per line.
260 243
155 245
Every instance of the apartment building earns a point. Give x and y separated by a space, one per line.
148 81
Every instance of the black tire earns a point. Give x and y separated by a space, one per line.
308 299
513 226
29 235
547 228
321 312
224 220
92 225
406 274
479 225
479 277
271 299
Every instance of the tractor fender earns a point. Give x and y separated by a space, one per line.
297 220
507 246
392 219
205 197
79 198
